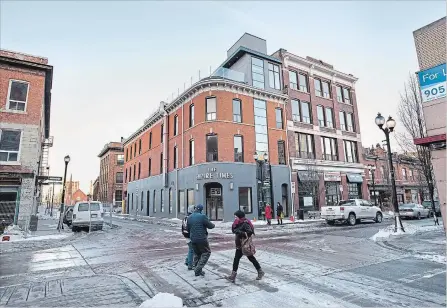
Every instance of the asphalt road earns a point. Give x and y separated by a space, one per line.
307 266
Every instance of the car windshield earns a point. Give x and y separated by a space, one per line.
407 206
347 202
84 207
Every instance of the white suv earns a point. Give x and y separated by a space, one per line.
352 211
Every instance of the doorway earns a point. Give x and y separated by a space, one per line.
214 201
285 199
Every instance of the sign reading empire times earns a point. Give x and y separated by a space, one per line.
213 174
433 83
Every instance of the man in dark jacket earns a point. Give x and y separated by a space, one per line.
197 226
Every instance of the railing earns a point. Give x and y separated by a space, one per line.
229 74
305 154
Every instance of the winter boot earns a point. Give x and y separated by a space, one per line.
260 274
232 277
199 273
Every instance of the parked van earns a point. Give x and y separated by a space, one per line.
86 214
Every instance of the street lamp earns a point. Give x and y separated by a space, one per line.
61 221
390 125
260 158
372 171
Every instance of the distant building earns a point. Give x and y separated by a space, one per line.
95 189
70 187
110 183
78 195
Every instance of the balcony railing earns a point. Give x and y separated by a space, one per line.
229 74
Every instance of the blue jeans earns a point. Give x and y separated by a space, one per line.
190 255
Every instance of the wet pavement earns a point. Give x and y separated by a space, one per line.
306 266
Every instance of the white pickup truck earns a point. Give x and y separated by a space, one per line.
351 211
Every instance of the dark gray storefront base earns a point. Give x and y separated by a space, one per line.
149 196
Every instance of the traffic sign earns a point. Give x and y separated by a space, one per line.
49 178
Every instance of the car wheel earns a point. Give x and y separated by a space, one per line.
330 222
428 215
379 217
419 216
352 219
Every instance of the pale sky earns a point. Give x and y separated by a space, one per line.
114 61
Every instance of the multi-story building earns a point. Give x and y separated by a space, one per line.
201 147
110 183
323 132
411 185
95 189
70 187
25 101
431 52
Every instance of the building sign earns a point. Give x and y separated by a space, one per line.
293 187
212 174
332 176
215 192
433 83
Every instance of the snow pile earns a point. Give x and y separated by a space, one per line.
163 300
433 258
409 230
17 235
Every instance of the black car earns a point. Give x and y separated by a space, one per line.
68 215
427 205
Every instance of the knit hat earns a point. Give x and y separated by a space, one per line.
199 208
239 214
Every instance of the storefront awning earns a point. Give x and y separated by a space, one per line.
354 177
305 176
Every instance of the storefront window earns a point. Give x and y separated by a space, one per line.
170 200
332 195
190 197
162 204
354 191
181 202
245 200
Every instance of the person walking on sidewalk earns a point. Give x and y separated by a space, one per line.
197 225
279 213
190 255
268 214
243 228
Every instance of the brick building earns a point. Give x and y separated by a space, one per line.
70 188
25 100
430 42
78 196
410 181
323 132
110 183
95 189
199 148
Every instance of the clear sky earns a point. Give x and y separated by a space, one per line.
114 61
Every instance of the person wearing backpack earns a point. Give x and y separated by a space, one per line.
190 255
243 230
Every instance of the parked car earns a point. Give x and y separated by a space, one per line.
413 210
427 205
68 215
351 211
86 214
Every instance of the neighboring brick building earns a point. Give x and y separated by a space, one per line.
78 195
95 190
110 183
323 131
25 100
70 187
199 149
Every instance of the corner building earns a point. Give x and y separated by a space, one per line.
199 149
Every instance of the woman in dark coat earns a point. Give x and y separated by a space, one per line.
279 213
242 227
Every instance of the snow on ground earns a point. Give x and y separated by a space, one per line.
15 234
433 258
409 230
163 300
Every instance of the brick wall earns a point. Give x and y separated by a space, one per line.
431 44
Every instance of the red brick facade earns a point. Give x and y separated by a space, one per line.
111 174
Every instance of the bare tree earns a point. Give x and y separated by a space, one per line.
411 114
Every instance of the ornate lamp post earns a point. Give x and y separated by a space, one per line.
390 125
372 170
62 206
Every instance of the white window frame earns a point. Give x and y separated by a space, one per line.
20 146
9 93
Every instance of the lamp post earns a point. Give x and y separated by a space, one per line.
390 125
260 159
61 221
372 170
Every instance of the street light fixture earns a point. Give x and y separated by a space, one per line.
61 221
372 170
390 125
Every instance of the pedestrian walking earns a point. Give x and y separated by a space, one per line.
279 213
243 230
197 225
190 255
268 214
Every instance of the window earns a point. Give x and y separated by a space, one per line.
120 159
211 148
237 111
175 157
342 120
190 197
154 205
293 80
150 167
281 152
181 202
329 148
84 207
191 115
238 149
260 125
162 203
346 121
134 172
148 201
127 154
139 147
191 152
161 163
339 94
257 69
325 117
245 200
320 115
211 109
304 145
134 150
332 193
355 191
175 125
318 90
302 78
161 133
346 96
170 200
119 178
350 151
279 123
18 95
274 80
382 172
329 118
9 145
326 89
150 140
125 176
296 114
142 201
139 170
404 174
410 174
118 195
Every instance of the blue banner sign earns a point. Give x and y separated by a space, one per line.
433 83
